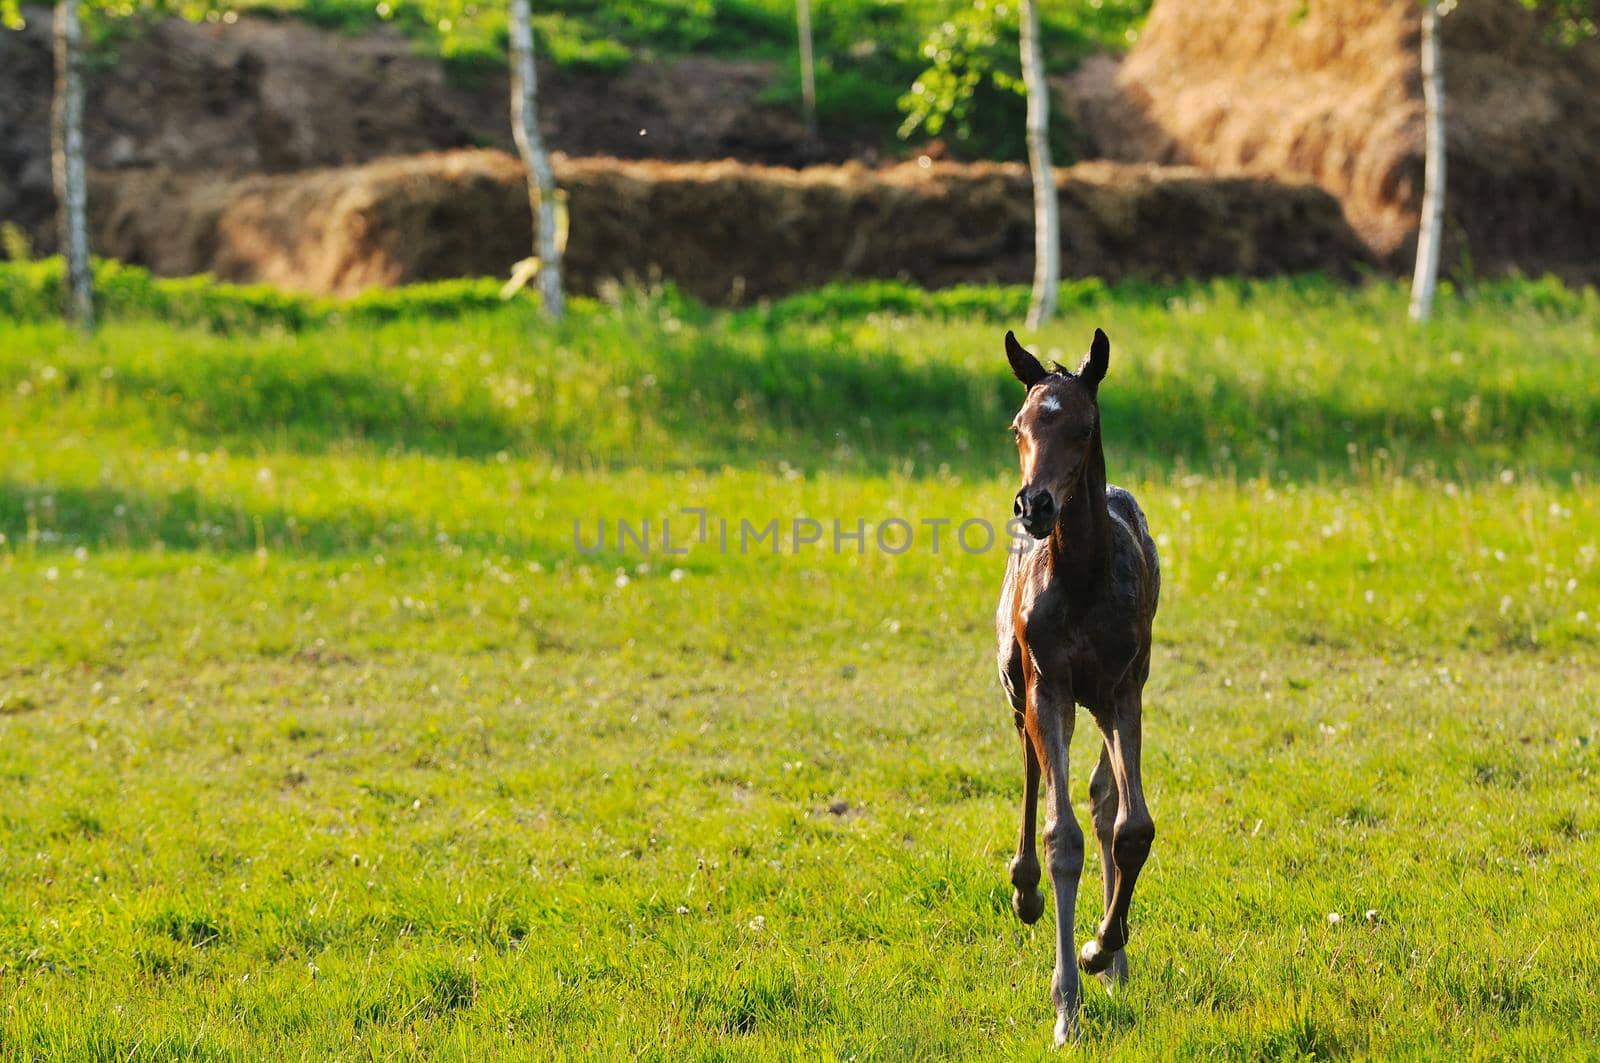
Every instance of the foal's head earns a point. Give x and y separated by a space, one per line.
1055 429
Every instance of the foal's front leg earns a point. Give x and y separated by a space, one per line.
1026 900
1051 717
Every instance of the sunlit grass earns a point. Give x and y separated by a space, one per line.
319 738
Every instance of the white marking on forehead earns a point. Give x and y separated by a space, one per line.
1051 403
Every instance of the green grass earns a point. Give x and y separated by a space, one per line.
319 739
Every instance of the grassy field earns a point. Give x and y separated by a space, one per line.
319 738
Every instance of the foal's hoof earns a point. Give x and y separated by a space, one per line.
1029 906
1093 959
1116 974
1066 1027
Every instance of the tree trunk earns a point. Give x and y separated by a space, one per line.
1046 214
808 71
1430 231
67 160
530 145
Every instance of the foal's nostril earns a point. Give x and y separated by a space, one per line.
1016 504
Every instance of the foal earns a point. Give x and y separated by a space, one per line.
1074 629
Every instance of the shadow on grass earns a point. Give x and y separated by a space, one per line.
815 407
631 397
57 519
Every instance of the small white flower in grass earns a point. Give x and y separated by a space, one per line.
1333 918
263 475
683 909
51 573
622 579
759 923
1372 915
1583 617
677 575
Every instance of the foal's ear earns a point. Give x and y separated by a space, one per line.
1023 364
1093 369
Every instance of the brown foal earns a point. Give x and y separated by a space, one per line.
1074 629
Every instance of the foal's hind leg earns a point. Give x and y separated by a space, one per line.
1131 835
1103 811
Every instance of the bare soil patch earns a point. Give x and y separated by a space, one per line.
267 97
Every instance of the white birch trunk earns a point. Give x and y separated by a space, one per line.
530 145
1430 231
1046 213
71 178
808 69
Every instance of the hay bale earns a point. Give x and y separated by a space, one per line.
334 231
1331 92
724 231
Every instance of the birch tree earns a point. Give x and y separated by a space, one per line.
67 162
530 145
808 69
1046 209
1430 232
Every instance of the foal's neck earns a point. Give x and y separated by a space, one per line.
1080 546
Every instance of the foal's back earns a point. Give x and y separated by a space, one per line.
1136 566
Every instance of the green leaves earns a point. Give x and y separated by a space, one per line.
1571 21
974 47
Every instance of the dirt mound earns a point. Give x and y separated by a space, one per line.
724 231
1331 92
261 96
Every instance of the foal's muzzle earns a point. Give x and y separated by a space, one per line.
1037 510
